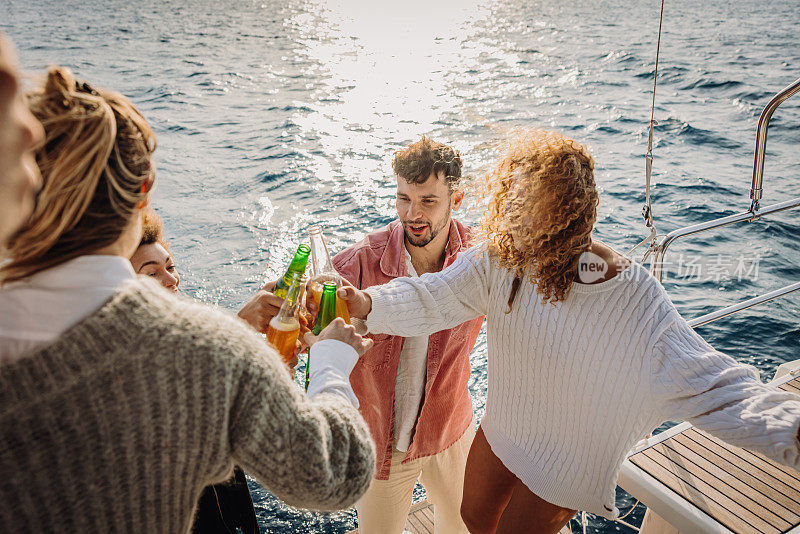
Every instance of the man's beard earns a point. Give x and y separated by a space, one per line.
415 241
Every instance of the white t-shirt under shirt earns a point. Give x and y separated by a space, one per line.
410 385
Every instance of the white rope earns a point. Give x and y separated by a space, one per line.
647 209
585 522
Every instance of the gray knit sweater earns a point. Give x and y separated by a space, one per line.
119 424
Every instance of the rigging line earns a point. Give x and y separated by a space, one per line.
647 209
629 511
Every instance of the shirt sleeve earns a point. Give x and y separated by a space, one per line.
434 301
332 362
692 381
312 452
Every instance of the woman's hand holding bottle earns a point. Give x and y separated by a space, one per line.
340 331
260 309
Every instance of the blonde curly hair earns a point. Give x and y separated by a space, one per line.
542 206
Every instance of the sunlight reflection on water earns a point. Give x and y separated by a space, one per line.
378 81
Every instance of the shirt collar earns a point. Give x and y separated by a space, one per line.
95 270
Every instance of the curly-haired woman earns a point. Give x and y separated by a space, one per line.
586 352
152 257
121 401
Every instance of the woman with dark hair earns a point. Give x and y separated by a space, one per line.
121 401
152 257
586 353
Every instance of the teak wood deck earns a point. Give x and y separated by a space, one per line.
739 490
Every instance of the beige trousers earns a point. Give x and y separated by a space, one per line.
384 508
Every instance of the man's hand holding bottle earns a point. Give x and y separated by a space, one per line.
358 302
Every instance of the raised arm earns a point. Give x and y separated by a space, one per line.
434 301
693 381
312 453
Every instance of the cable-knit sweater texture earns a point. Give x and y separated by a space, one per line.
120 423
573 385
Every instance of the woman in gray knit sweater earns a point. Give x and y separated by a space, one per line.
119 401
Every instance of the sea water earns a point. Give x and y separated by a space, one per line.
275 115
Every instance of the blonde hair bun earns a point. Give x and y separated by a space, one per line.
96 170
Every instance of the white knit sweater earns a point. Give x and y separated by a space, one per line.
575 384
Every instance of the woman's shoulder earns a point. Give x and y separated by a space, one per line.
643 292
144 328
170 318
479 253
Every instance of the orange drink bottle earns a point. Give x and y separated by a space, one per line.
283 336
321 270
285 327
326 314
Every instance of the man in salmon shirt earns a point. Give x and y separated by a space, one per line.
413 391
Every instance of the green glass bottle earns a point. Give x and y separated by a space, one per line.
327 307
298 266
326 314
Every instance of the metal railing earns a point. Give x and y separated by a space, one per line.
754 213
761 141
749 303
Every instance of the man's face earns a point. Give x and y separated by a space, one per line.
20 132
424 209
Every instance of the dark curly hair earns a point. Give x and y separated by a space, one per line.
152 229
418 161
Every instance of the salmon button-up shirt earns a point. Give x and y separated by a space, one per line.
446 410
